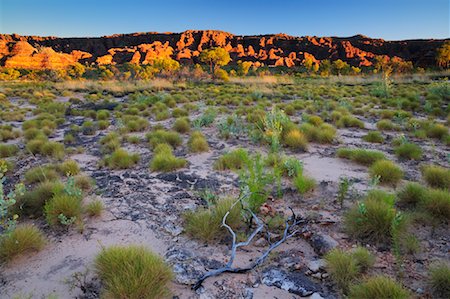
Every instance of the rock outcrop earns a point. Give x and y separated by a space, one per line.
36 52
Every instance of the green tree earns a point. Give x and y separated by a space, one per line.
244 67
76 71
215 57
340 66
325 68
443 55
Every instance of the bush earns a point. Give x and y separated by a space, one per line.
436 176
342 268
412 194
437 131
8 150
408 151
52 149
439 280
379 287
437 203
182 125
164 160
387 172
162 136
132 272
83 182
347 121
206 224
121 159
69 206
371 220
197 143
23 238
363 258
373 137
361 156
94 208
233 160
296 140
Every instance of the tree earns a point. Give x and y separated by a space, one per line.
244 67
340 66
443 55
215 57
76 71
325 68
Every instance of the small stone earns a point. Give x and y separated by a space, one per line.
316 265
325 275
317 275
315 296
419 291
261 242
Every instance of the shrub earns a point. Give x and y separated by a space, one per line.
121 159
361 156
23 238
412 194
371 220
182 125
296 140
162 136
437 203
303 183
342 268
436 176
206 224
197 143
437 131
8 150
110 142
439 280
363 258
387 172
94 208
67 205
132 272
408 151
233 160
373 137
164 160
347 121
379 287
83 182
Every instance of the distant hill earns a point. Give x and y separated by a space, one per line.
36 52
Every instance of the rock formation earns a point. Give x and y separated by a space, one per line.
36 52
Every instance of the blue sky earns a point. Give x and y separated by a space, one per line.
388 19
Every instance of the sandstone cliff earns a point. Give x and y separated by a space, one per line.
273 50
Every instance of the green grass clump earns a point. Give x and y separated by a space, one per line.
161 136
303 183
233 160
31 203
373 137
371 220
439 280
110 142
23 238
132 272
342 268
8 150
436 176
182 125
69 206
380 287
387 172
325 133
295 139
437 131
69 167
206 224
94 208
41 174
197 143
386 125
364 259
121 159
437 203
361 156
412 194
348 121
164 160
409 151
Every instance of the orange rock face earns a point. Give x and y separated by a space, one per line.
140 48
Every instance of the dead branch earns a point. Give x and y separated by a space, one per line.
290 223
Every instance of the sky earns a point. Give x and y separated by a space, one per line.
387 19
